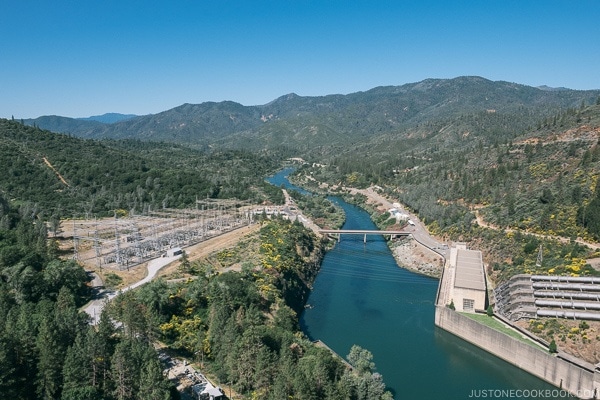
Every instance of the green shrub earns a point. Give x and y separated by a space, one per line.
112 280
552 347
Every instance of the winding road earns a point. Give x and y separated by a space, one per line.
95 307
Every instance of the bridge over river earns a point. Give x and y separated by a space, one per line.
365 232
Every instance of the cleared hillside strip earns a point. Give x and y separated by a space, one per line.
56 172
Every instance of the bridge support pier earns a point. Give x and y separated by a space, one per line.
365 232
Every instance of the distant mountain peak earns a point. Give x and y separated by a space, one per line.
289 96
109 118
308 121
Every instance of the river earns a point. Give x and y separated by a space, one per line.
361 296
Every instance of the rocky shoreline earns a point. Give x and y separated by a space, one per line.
415 257
409 253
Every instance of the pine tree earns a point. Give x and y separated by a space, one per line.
152 383
101 344
552 347
590 215
51 357
185 265
8 379
21 332
78 377
67 317
123 371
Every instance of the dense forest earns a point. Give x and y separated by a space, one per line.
48 350
506 194
68 176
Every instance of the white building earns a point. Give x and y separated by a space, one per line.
400 216
206 391
468 289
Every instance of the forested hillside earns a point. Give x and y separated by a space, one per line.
47 348
315 127
69 176
457 151
541 181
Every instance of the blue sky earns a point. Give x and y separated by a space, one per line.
88 57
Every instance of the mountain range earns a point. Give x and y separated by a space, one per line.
317 124
109 118
451 150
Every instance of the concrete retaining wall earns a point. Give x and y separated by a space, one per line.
555 370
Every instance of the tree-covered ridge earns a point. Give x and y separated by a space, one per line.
319 126
243 326
541 181
47 348
101 176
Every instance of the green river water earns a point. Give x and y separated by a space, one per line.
361 296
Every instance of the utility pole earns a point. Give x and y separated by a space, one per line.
97 247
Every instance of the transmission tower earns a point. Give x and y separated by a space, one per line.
117 244
75 242
97 247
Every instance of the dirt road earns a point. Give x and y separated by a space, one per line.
562 239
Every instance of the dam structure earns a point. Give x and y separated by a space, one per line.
463 290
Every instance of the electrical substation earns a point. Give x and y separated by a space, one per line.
120 243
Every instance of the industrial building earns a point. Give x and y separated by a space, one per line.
465 279
533 296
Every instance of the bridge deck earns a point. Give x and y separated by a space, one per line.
363 231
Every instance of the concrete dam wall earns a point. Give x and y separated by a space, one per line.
577 379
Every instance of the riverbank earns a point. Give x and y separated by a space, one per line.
417 258
409 253
361 297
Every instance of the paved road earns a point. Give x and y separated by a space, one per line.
293 212
95 307
418 230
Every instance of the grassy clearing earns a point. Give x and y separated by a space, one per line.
499 326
